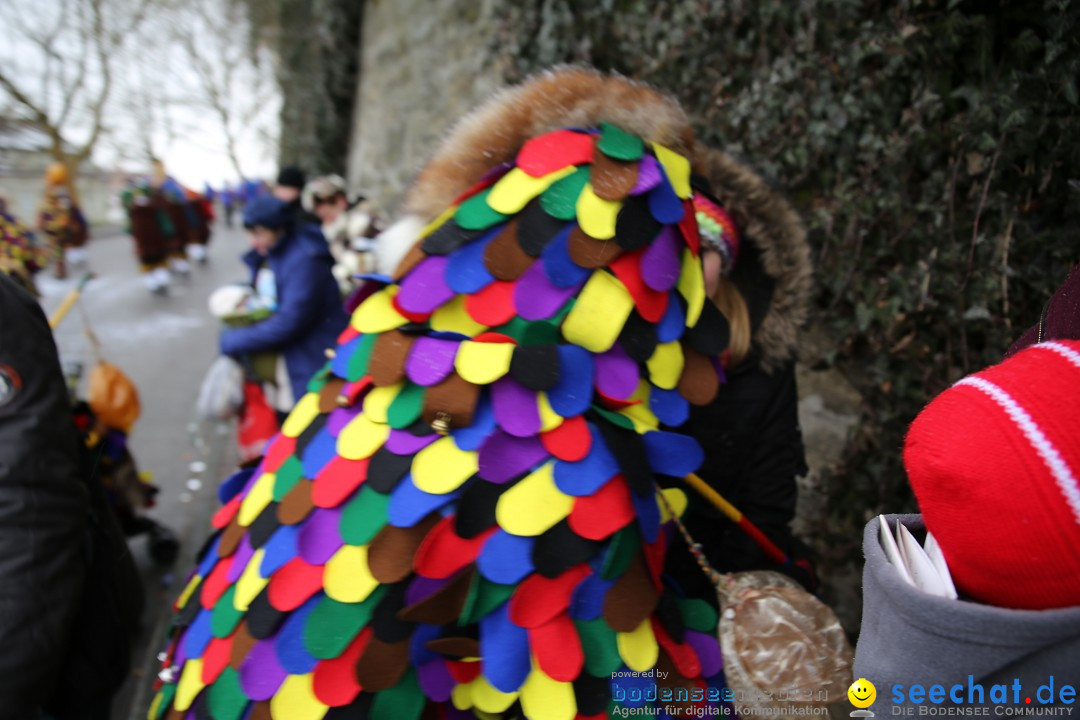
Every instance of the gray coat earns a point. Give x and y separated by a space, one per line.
909 637
43 508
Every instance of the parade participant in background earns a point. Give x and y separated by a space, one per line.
289 188
307 314
349 228
994 462
230 198
21 255
151 227
174 202
199 210
61 221
463 508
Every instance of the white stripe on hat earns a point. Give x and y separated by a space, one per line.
1063 350
1063 475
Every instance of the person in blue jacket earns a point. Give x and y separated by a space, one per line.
308 315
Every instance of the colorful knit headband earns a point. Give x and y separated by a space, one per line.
717 229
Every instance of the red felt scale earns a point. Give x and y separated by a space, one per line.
463 672
553 151
605 512
682 655
335 682
226 512
557 648
571 441
293 583
689 227
216 583
337 481
651 304
443 552
538 599
277 454
215 657
492 306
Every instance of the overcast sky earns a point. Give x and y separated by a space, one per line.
160 102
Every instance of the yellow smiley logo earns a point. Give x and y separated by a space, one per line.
862 693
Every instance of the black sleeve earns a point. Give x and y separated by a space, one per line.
753 453
43 508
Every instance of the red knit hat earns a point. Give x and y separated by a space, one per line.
995 465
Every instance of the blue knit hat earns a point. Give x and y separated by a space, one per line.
266 211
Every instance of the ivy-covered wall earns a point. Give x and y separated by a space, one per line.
933 147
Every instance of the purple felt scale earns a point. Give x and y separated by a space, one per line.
588 599
472 436
199 634
561 270
409 504
506 559
241 558
466 272
425 289
505 649
617 374
664 204
661 261
430 361
572 395
673 324
319 536
515 407
707 650
292 653
648 515
673 454
402 442
669 406
585 477
318 453
180 657
340 417
435 680
648 175
282 547
536 297
421 588
261 674
503 457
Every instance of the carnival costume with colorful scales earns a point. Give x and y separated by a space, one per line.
461 518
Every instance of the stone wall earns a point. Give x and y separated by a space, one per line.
424 63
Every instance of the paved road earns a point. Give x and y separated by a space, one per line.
165 344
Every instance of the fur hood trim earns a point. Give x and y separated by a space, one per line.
580 97
768 220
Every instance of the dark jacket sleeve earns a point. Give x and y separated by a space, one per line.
298 309
43 509
753 453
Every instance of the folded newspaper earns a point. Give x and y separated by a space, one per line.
920 565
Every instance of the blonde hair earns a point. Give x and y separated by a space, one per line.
731 303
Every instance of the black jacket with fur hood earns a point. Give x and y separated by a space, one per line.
43 509
750 433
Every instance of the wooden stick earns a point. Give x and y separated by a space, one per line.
732 513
